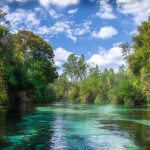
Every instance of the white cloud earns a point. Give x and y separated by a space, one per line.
61 56
5 8
31 20
60 27
139 9
63 27
134 32
59 3
106 11
54 14
104 59
22 19
69 28
117 44
107 59
73 11
105 32
83 28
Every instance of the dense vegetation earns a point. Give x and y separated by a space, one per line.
26 67
131 86
28 72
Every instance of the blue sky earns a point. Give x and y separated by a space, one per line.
94 28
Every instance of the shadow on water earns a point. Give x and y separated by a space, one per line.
10 117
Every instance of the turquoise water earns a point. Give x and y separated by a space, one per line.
63 126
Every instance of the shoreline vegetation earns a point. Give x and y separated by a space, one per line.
28 72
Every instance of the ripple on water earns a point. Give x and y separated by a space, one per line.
78 127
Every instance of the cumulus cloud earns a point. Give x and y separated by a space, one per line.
106 11
68 28
73 11
54 14
111 58
107 59
59 3
105 32
139 9
22 19
30 19
61 56
82 28
62 27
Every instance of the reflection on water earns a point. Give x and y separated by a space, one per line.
63 126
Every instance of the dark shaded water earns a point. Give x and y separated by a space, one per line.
63 126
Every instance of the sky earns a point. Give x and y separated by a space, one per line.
94 28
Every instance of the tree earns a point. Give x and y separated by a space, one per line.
126 49
139 60
26 66
61 87
82 66
75 67
89 87
3 90
36 57
6 56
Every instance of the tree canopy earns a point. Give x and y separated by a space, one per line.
26 66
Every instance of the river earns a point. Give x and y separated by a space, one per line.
66 126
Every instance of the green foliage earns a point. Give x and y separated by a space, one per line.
145 82
27 65
104 87
128 93
74 94
107 87
139 60
130 86
61 87
89 87
3 91
75 67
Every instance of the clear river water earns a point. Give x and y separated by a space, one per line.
66 126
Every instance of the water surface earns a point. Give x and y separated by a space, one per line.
63 126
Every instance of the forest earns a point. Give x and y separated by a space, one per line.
28 72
